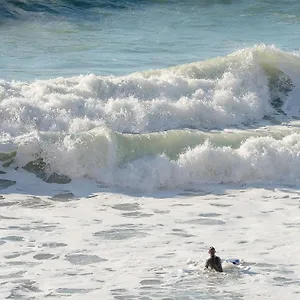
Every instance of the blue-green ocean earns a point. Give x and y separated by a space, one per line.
135 134
47 39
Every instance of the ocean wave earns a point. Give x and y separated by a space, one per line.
211 111
46 10
22 10
160 160
242 89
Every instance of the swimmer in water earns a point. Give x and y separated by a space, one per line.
214 262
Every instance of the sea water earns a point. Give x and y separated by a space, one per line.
136 134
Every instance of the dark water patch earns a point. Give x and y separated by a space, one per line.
281 197
98 221
11 256
204 221
136 214
2 172
7 156
64 197
37 167
4 183
14 9
8 203
119 291
181 233
23 287
127 206
22 263
13 238
242 242
231 196
282 281
2 242
160 273
182 204
220 205
121 232
16 254
45 228
157 211
125 297
73 291
198 191
78 273
40 169
279 85
148 288
43 256
84 259
7 218
189 195
92 196
265 265
177 230
122 294
209 215
34 202
166 255
232 295
109 269
13 275
54 245
150 282
57 178
286 272
292 225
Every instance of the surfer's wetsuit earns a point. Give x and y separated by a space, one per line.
214 263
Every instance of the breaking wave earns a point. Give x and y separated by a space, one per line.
222 120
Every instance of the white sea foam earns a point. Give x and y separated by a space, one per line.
79 126
224 92
259 160
95 243
151 162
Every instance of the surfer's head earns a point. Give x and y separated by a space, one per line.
211 251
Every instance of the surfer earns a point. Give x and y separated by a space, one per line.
214 262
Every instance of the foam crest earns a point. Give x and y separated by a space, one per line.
258 160
165 161
229 91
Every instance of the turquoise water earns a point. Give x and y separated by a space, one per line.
47 39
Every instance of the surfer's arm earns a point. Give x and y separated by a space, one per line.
219 264
207 264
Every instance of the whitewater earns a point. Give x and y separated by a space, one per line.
128 147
